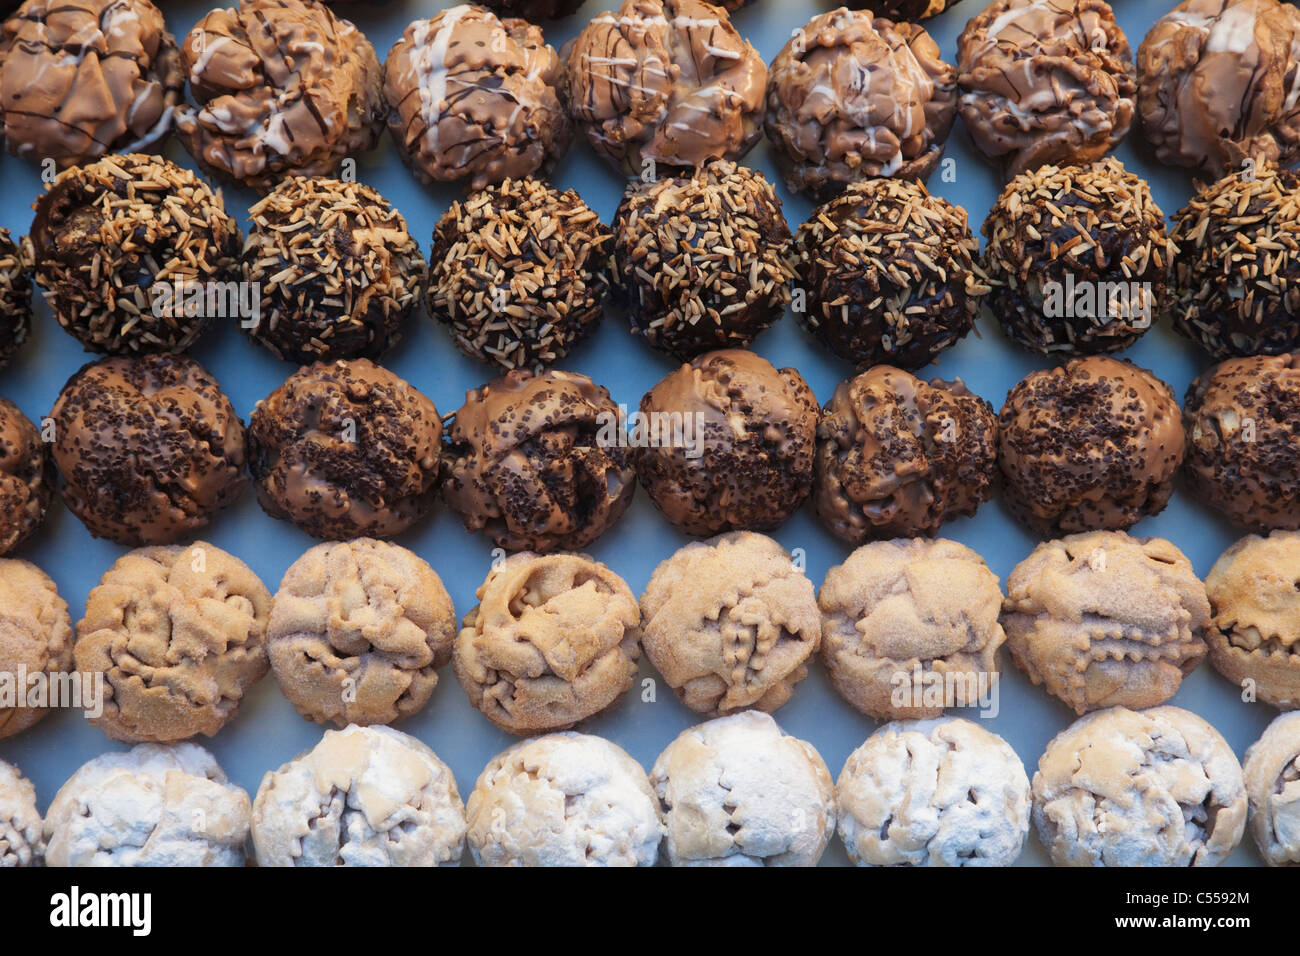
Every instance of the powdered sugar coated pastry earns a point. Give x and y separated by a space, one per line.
22 842
1272 770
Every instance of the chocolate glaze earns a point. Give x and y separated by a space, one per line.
26 477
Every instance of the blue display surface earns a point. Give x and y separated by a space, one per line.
267 731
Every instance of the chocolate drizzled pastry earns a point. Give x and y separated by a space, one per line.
81 78
518 273
665 82
534 461
897 456
149 448
26 477
475 98
15 298
1236 278
890 274
1091 446
337 271
282 86
1057 230
114 242
703 261
744 461
345 450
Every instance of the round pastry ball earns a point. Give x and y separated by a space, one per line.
345 450
281 87
910 627
364 796
131 252
474 98
728 444
563 800
15 298
26 477
357 632
739 791
1159 787
933 793
1236 277
337 272
665 83
852 96
889 274
36 638
702 261
897 457
81 79
1254 590
1078 258
1271 787
1106 620
1094 445
143 807
20 821
534 462
730 623
1045 82
552 641
150 448
179 635
1243 449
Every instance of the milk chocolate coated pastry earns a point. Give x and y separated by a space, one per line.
552 641
149 806
21 841
179 634
1091 446
474 98
364 796
730 623
357 632
852 96
1156 788
933 793
15 298
1243 453
890 275
739 791
745 461
282 86
533 462
898 613
1106 620
26 477
345 450
35 637
337 271
1045 81
1272 772
149 448
85 78
665 82
897 457
1077 257
518 273
122 245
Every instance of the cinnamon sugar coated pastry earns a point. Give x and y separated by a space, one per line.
26 477
357 631
933 793
148 806
364 796
179 635
35 638
1158 787
852 96
903 619
563 800
739 791
1107 620
15 297
665 82
897 456
281 87
730 623
22 842
1272 772
472 97
532 461
552 641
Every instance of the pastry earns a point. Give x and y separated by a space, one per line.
26 477
35 641
908 9
21 841
1272 772
15 297
534 10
